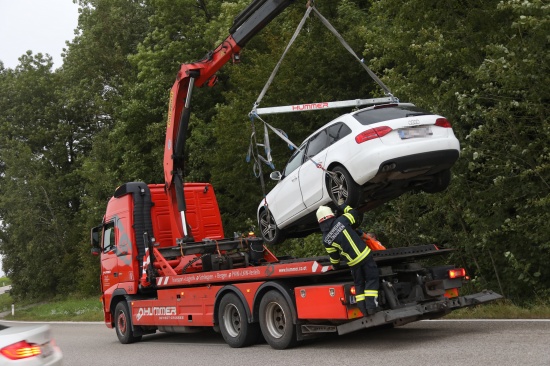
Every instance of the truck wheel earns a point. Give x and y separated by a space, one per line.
123 324
276 321
341 186
270 232
234 326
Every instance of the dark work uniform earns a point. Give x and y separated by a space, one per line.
342 241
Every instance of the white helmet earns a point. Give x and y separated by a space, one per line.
323 213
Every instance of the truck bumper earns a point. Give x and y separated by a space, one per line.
408 314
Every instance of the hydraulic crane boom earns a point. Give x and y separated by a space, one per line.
246 25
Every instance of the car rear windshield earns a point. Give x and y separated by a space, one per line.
389 112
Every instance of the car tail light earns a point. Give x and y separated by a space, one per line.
457 273
442 122
373 133
20 350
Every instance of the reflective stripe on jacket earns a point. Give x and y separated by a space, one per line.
340 240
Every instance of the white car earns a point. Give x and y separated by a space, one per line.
28 345
374 155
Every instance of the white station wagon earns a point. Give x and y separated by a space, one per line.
375 154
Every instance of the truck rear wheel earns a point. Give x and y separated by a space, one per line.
234 326
276 321
123 324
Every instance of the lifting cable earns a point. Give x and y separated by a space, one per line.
253 114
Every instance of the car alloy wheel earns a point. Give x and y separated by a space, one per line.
270 232
342 188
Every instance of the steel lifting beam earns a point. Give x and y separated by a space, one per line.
325 105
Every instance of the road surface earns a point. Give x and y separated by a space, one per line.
426 343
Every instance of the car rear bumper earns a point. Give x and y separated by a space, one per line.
431 162
382 163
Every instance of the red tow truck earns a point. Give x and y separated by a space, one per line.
167 266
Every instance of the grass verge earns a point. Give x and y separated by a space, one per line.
89 309
502 309
72 309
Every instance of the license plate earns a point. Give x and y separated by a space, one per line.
413 132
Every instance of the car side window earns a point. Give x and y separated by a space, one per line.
109 237
317 143
337 132
294 162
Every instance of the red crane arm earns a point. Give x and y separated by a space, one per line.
246 25
201 72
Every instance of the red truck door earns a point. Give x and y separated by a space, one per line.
116 258
108 258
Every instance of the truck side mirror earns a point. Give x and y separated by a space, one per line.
276 175
94 239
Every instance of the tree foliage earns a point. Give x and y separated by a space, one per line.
69 137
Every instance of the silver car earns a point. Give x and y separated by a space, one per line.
28 345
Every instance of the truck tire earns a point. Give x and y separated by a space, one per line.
123 324
343 187
234 326
276 321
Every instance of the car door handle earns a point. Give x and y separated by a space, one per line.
294 179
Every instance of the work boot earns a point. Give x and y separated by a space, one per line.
371 311
362 307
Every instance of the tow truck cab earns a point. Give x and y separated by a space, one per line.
139 212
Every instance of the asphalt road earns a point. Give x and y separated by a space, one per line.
423 343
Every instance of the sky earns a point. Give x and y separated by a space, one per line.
41 26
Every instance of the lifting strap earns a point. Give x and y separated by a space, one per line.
329 26
284 137
350 50
252 150
294 36
254 113
268 160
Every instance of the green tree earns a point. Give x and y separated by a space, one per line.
39 149
480 65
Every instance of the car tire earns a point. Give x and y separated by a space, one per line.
342 186
276 321
123 324
234 326
439 182
270 232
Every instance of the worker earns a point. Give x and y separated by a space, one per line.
342 241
